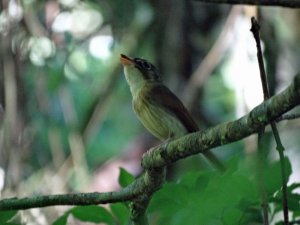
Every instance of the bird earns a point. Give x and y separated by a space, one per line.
156 106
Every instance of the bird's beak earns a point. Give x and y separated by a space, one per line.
125 60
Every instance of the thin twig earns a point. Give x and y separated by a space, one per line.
261 161
282 3
288 117
255 30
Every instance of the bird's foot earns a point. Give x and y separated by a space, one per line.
164 147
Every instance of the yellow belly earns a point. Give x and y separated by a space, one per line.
158 121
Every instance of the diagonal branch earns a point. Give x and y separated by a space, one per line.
227 132
282 3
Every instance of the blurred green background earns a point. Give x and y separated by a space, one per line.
65 108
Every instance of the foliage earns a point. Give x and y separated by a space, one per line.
214 198
206 197
6 216
96 214
125 178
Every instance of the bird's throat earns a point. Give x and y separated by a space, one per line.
135 80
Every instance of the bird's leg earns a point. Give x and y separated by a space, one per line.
165 144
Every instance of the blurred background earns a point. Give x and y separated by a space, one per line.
66 123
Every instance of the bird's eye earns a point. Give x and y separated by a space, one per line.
143 63
146 65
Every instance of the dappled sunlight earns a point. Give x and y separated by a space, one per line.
241 71
100 46
80 21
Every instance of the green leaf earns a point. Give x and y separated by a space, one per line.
168 203
273 176
125 178
294 202
7 215
232 216
62 220
96 214
296 214
198 180
293 187
206 197
121 212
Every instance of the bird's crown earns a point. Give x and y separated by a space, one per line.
148 70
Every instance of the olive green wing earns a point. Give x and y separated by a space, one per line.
160 94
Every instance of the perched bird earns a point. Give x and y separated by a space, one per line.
158 109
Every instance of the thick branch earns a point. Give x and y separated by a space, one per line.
227 132
283 3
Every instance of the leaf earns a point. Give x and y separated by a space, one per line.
293 187
93 213
273 176
198 180
205 197
294 202
62 220
125 178
121 212
232 216
167 203
7 215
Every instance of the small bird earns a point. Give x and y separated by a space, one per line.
158 109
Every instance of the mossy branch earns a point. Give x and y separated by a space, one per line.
227 132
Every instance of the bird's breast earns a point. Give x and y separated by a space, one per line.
159 121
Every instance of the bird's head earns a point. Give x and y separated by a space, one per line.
139 71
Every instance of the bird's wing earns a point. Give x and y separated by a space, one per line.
160 94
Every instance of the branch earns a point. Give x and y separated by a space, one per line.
261 162
282 3
286 117
69 199
255 30
227 132
146 184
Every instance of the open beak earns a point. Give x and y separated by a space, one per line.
125 60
